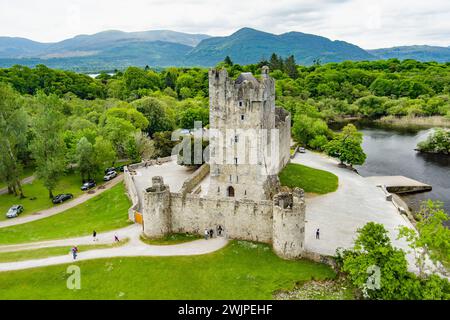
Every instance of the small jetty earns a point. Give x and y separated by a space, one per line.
400 184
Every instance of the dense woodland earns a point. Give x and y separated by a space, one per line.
53 118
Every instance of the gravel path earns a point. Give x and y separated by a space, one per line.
62 207
339 214
133 248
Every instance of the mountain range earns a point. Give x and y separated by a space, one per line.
114 49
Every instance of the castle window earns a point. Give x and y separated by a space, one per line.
230 191
237 179
240 103
245 192
242 117
235 160
218 189
236 139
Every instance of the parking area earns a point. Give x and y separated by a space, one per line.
174 175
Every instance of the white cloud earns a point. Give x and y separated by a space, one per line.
369 24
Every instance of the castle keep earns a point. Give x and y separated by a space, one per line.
239 188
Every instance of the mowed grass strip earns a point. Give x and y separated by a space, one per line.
105 212
170 239
309 179
242 270
51 252
37 197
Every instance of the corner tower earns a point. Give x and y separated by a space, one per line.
244 140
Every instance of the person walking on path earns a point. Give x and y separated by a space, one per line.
74 252
211 233
116 238
94 235
318 234
219 230
206 234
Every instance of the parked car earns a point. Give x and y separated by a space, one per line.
302 150
88 185
107 170
120 168
60 198
14 211
110 175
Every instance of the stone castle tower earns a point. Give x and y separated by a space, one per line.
247 147
249 144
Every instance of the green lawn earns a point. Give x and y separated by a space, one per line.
242 270
171 239
37 195
308 179
50 252
107 211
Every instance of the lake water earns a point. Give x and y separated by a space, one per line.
391 152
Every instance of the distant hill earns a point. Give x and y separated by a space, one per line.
249 46
420 53
114 49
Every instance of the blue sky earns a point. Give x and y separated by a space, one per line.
369 24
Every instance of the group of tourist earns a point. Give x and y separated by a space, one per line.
209 233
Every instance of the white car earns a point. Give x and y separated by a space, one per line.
110 175
14 211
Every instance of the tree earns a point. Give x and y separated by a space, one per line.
189 115
153 110
228 62
48 147
163 144
140 146
432 238
105 155
13 129
346 146
307 129
275 63
380 271
86 161
290 67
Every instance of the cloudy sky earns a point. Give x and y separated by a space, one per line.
367 23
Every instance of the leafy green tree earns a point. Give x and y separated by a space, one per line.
104 152
432 238
48 147
290 67
118 131
346 146
13 130
86 159
153 110
163 144
228 61
380 271
188 116
307 129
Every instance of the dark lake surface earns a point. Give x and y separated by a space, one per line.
391 152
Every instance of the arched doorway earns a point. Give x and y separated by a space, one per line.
230 191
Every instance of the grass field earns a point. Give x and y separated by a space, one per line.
50 252
242 270
107 211
70 183
171 239
309 179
